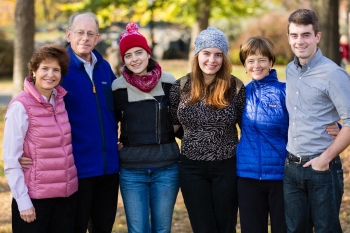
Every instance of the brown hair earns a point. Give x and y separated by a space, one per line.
304 17
216 94
49 52
257 45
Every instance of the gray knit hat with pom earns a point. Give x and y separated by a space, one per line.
211 37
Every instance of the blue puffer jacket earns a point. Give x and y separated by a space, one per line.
261 150
91 115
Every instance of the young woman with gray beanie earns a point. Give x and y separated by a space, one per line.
208 104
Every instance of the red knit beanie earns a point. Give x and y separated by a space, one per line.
132 38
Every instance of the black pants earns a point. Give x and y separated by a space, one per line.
256 200
97 198
209 190
53 215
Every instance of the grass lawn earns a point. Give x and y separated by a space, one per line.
6 85
180 218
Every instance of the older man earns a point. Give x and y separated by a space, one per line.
94 129
89 104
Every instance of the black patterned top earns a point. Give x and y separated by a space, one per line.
209 134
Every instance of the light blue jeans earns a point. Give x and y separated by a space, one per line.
149 196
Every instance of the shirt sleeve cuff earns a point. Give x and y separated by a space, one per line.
24 203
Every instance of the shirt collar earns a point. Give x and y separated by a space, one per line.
94 59
53 95
310 63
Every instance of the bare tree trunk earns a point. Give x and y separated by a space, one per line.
202 22
23 42
328 16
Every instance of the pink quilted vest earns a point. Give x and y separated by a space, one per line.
48 144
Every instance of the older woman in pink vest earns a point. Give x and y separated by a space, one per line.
37 127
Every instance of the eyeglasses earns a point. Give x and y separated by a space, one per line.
253 61
81 33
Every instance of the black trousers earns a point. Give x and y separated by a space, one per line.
256 200
97 197
53 215
209 189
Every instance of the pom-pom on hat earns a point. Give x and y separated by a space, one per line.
132 38
211 37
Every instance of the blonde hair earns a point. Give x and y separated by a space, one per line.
216 94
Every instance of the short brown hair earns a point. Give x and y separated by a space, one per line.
49 52
257 45
304 17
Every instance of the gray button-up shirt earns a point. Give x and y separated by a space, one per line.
317 94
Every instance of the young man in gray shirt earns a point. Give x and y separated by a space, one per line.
317 95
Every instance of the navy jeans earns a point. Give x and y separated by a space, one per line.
313 197
149 196
209 189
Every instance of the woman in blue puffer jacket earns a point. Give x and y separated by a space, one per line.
261 152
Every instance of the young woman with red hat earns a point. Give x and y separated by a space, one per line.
149 157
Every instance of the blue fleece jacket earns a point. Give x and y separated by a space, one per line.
91 115
261 150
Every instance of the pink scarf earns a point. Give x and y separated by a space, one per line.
146 82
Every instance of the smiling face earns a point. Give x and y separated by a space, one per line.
258 66
210 61
303 41
83 36
47 77
136 60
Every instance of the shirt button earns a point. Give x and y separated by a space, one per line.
295 107
299 77
295 139
293 123
297 93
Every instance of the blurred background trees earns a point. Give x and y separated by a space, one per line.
169 25
23 41
328 14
